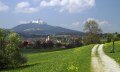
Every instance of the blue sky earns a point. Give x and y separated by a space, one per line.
65 13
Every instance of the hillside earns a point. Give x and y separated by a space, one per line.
69 60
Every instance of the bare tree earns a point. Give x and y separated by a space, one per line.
92 32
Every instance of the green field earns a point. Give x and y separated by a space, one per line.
116 55
67 60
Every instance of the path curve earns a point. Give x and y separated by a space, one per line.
110 65
101 62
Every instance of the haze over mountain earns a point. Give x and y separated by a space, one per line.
40 27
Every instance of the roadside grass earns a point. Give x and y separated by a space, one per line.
116 55
68 60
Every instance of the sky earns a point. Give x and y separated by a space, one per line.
71 14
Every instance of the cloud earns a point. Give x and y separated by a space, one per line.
100 22
75 24
24 7
3 7
72 6
103 22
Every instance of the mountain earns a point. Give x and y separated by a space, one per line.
41 28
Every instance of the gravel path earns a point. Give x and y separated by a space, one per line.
101 62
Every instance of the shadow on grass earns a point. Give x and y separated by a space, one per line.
32 50
19 68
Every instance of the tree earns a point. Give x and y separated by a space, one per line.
50 44
38 44
92 32
10 55
13 50
114 38
58 45
109 37
118 36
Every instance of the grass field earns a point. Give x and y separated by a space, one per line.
116 55
68 60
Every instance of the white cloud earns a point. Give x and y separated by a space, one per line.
50 3
71 6
3 7
24 7
100 22
75 24
103 22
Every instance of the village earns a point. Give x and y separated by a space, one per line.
58 41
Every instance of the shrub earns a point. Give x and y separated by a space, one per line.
70 45
50 44
10 55
38 44
58 45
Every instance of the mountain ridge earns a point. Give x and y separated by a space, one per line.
42 28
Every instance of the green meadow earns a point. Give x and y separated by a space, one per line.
65 60
116 55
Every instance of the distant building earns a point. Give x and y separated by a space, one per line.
48 38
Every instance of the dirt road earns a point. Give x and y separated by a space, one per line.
101 62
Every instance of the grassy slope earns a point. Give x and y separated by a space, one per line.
69 60
115 55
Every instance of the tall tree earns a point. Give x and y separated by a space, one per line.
92 32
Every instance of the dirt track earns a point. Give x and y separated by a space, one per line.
101 62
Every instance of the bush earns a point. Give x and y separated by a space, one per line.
58 45
10 55
38 44
50 44
70 45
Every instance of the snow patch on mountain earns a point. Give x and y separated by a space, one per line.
38 22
